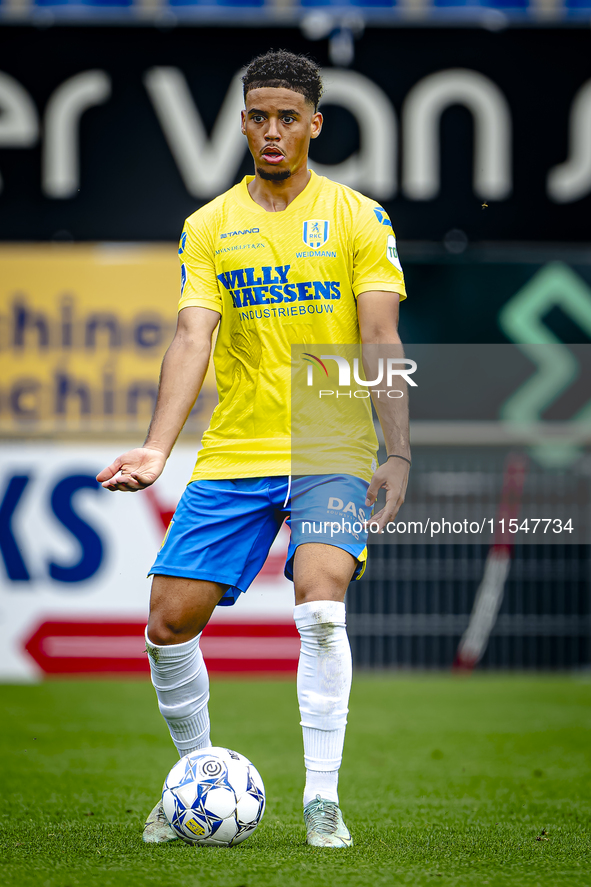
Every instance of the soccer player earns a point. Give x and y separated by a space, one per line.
284 257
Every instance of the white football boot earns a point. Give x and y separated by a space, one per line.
157 829
324 825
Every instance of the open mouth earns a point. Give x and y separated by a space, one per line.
272 155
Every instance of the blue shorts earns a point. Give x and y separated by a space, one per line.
222 530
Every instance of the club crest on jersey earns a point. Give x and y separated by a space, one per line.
315 233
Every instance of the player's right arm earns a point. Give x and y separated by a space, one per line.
183 371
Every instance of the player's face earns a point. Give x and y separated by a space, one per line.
279 124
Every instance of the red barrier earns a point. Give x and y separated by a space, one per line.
95 647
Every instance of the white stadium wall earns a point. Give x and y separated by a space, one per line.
74 558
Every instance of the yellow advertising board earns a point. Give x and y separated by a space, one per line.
83 329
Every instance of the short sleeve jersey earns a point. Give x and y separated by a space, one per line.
278 279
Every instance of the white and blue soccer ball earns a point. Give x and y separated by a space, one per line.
214 797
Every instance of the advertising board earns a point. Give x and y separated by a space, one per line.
120 133
83 330
73 564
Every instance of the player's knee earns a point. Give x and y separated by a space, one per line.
315 591
163 632
328 585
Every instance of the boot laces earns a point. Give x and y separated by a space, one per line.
161 815
322 816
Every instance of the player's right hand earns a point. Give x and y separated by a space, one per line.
133 471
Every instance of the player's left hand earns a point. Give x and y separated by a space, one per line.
392 475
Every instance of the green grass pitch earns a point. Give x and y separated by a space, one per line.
444 781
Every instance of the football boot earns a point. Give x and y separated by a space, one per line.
324 824
157 829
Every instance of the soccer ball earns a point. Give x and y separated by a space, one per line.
214 797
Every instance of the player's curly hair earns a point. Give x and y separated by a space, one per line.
280 68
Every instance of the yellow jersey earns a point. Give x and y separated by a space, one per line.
278 279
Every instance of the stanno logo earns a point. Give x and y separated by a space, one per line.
239 233
315 233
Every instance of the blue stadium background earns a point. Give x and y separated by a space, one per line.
434 10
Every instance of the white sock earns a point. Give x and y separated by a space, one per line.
324 683
323 784
181 682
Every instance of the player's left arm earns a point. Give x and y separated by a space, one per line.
378 326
